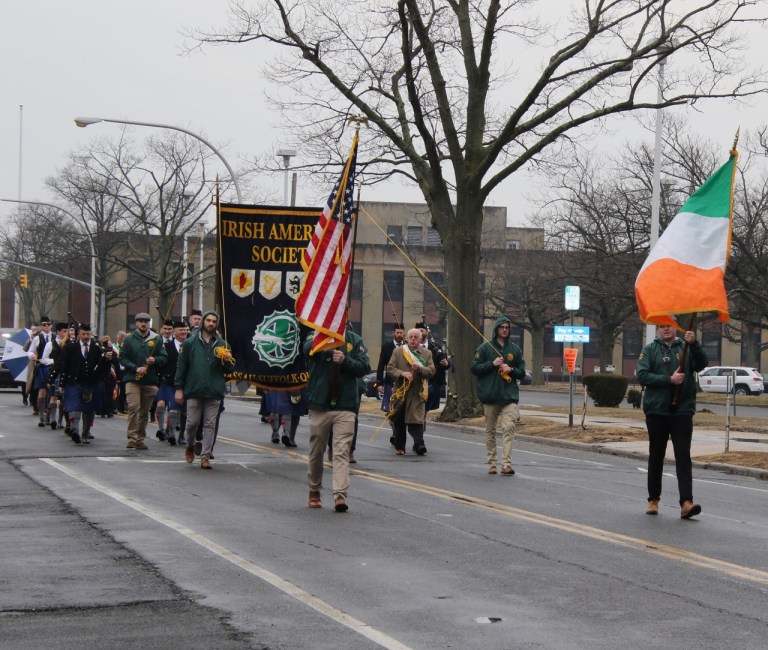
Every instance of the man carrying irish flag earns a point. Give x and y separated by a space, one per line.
684 274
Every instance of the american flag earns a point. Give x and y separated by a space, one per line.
322 301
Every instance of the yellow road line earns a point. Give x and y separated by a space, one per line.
618 539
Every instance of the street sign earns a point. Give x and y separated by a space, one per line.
610 369
571 334
572 296
546 369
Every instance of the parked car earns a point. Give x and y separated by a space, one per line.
715 380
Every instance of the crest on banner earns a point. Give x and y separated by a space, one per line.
270 284
243 282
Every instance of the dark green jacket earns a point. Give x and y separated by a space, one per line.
355 365
134 353
492 388
655 366
198 371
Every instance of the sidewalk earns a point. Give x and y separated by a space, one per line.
705 441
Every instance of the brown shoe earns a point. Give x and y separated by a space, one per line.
689 509
507 470
198 448
653 507
492 469
340 504
140 445
189 454
205 463
314 499
352 459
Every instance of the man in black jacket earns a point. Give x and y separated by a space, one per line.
384 383
84 366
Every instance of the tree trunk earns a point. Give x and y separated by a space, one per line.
461 244
537 361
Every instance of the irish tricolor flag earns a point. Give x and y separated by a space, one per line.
685 270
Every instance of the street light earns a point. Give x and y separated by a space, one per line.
663 52
87 121
286 155
93 254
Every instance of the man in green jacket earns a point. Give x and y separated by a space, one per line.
498 365
203 360
333 400
658 370
142 354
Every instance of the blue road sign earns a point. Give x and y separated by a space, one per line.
571 334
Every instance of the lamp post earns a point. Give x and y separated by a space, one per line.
286 155
200 270
93 255
87 121
650 330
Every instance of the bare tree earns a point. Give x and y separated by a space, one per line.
436 81
138 204
38 236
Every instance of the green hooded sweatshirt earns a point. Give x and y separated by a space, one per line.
199 372
492 388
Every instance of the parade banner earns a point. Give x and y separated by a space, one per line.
260 275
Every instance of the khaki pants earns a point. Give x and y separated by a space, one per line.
320 425
206 408
494 412
140 400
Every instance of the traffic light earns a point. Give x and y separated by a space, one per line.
23 280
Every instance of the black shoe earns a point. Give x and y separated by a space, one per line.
286 441
41 423
182 441
392 440
160 435
26 402
75 437
53 426
87 435
275 438
420 449
293 443
264 420
172 441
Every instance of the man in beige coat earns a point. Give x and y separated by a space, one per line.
410 367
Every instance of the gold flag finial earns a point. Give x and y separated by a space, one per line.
357 120
736 138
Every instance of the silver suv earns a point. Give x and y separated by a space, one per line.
715 380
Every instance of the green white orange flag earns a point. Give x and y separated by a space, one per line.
685 270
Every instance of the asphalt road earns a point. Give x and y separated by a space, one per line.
132 549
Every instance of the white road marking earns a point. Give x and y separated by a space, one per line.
273 579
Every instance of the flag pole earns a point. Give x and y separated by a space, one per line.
335 387
677 389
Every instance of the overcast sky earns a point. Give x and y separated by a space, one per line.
67 58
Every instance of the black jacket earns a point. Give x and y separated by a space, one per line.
76 369
384 356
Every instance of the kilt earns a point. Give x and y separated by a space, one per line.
76 397
40 379
167 394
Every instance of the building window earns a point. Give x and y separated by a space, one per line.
750 345
711 339
434 306
633 343
355 314
433 238
392 301
513 244
415 235
395 233
551 349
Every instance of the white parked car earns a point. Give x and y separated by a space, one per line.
715 380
